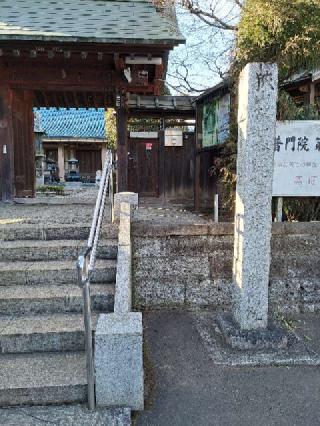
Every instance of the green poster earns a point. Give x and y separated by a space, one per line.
209 124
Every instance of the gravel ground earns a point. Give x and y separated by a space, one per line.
78 207
87 192
168 215
45 214
58 211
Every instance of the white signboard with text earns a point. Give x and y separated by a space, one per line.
173 137
297 159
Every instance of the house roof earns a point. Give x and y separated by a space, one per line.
70 123
100 21
299 77
161 103
219 89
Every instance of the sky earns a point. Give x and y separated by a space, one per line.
206 53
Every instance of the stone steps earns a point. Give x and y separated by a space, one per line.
42 333
26 300
50 378
30 250
46 232
42 359
63 415
53 272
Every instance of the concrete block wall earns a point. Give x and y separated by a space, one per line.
295 268
190 266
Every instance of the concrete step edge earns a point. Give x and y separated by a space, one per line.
43 324
48 378
69 369
24 292
20 244
56 333
61 414
53 272
52 265
53 232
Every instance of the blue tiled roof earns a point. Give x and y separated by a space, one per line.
72 123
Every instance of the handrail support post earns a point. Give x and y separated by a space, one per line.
89 345
85 268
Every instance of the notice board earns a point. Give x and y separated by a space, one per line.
297 159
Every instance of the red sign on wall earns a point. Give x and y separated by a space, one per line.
149 146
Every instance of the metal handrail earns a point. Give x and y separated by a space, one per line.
86 265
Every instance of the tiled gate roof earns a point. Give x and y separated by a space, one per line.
105 21
71 123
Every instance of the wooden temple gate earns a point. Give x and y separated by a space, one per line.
30 80
85 59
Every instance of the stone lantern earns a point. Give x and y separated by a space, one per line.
73 174
39 153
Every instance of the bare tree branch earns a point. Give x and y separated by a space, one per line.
209 16
210 27
239 3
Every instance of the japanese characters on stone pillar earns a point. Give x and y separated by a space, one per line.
258 90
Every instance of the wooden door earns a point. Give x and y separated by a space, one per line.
89 161
23 144
179 169
143 167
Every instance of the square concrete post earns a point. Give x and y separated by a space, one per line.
253 220
123 299
124 197
119 361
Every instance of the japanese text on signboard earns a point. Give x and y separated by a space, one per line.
297 159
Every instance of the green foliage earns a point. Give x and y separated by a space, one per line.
45 189
143 125
288 110
111 128
165 91
286 32
224 168
301 209
283 31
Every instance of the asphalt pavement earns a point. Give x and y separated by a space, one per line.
189 389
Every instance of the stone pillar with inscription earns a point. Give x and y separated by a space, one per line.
258 88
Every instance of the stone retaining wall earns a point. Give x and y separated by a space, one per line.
190 266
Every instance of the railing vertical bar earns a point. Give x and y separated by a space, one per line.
98 224
98 202
111 191
89 345
85 266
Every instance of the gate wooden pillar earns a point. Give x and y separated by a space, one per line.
122 143
6 145
23 143
17 157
